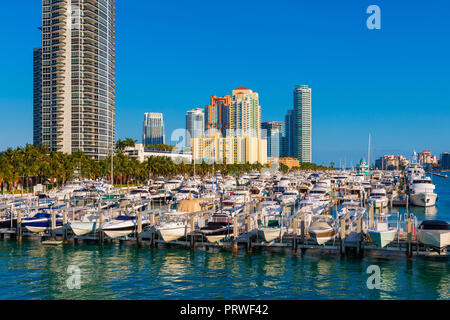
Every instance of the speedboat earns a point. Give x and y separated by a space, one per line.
382 234
42 221
378 198
270 227
221 224
121 226
289 197
434 233
173 226
322 229
88 224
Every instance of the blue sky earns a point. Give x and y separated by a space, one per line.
172 55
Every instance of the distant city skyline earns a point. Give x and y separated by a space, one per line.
392 83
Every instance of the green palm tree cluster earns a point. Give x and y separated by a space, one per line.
31 165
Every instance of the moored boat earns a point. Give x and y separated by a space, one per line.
434 233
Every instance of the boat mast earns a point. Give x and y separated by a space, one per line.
368 154
112 167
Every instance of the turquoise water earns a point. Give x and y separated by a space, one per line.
32 271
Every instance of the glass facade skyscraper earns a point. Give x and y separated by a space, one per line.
273 132
302 119
195 124
78 77
153 129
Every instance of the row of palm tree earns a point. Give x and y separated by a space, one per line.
24 167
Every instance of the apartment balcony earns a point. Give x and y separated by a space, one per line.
59 57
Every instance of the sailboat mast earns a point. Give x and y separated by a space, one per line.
112 167
368 154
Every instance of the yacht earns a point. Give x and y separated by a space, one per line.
421 192
289 197
238 197
378 198
173 184
184 193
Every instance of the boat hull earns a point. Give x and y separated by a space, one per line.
382 238
172 234
269 234
423 199
84 228
434 238
322 236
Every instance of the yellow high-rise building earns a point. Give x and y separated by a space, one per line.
229 150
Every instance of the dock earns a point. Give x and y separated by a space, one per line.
244 238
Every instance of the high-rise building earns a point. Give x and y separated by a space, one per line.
289 135
229 150
273 132
302 114
195 124
445 161
153 129
245 113
78 77
37 96
217 113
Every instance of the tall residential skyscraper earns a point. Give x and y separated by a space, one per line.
273 132
153 129
37 96
245 113
195 124
289 134
302 113
78 76
217 114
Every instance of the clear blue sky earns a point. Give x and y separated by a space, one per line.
172 55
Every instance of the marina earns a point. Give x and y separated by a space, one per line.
205 249
335 214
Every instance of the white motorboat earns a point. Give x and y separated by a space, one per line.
289 197
322 229
174 224
382 234
378 198
270 227
434 233
88 224
421 192
42 221
121 226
